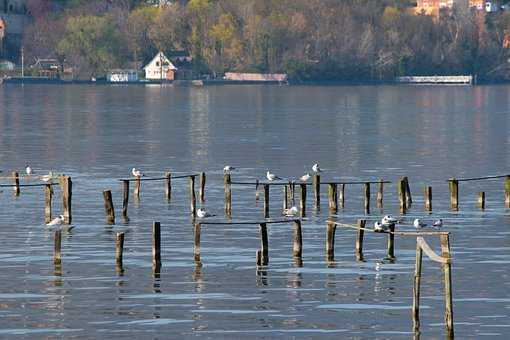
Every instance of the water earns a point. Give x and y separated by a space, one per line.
97 134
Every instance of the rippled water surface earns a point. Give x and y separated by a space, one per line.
96 134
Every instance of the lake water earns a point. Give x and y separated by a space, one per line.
96 134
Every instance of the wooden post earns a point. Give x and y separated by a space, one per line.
196 248
481 200
409 198
257 190
341 198
286 196
258 257
48 194
380 193
168 186
138 186
359 240
57 251
125 198
192 196
416 288
302 204
156 247
266 200
119 249
402 196
317 190
298 239
264 244
428 198
332 198
330 241
15 178
507 192
108 207
202 187
66 185
366 193
454 193
292 193
228 194
391 242
447 267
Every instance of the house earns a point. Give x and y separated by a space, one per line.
433 7
160 68
485 5
47 67
122 76
256 77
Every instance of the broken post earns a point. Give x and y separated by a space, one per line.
359 240
108 207
192 196
454 193
341 197
286 196
15 178
48 194
298 239
156 247
57 250
366 194
125 198
66 185
228 194
332 198
428 198
264 244
380 192
317 190
391 242
409 198
302 203
481 200
168 186
416 288
196 247
202 187
119 249
266 200
448 295
330 241
507 191
402 196
138 186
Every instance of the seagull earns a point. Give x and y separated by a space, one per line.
419 224
316 168
48 177
388 219
292 211
271 177
56 221
227 169
304 178
137 173
438 223
201 213
28 170
379 227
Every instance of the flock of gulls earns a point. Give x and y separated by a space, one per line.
388 220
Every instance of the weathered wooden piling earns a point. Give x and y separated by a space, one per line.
48 195
316 181
481 200
125 198
330 241
138 187
332 198
66 185
227 183
297 248
119 249
402 196
266 200
341 196
258 257
285 196
108 207
447 267
391 242
168 186
428 198
359 240
454 193
366 194
302 202
15 178
409 198
507 192
196 247
202 187
292 193
380 193
264 242
57 250
192 196
416 288
257 193
156 247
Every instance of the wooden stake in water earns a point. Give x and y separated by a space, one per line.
138 187
341 197
428 198
202 187
317 190
108 207
196 248
286 196
416 288
380 193
192 196
330 241
125 198
359 240
409 198
228 194
402 196
297 248
257 190
481 200
57 253
447 270
119 249
168 186
454 193
48 194
302 203
391 242
15 178
507 192
266 200
366 194
156 247
332 198
264 244
66 185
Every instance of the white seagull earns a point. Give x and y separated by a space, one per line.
227 169
201 213
292 211
304 178
137 173
56 221
438 223
419 224
379 227
28 170
316 168
48 177
271 177
388 219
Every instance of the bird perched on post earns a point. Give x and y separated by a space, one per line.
379 227
388 220
227 169
292 211
419 224
136 172
56 221
201 213
304 178
28 170
316 168
438 223
271 177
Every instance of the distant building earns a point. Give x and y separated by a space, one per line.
122 76
47 67
433 7
160 68
256 77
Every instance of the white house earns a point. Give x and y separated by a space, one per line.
160 68
122 76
